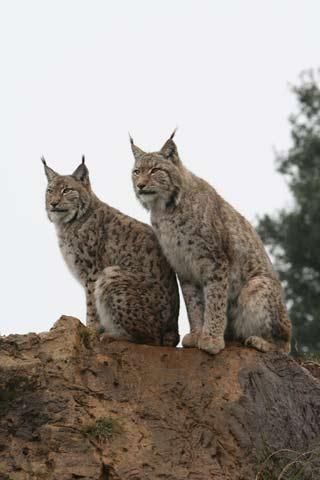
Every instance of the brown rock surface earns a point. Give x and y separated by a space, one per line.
73 407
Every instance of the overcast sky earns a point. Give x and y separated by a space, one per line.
77 75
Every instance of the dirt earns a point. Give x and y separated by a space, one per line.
75 407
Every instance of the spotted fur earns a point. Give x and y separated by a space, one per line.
225 274
130 288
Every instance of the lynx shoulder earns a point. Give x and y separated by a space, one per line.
226 277
130 288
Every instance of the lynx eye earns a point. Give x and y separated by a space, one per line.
136 172
155 170
49 190
67 190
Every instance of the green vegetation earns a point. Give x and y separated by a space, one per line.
293 234
103 428
86 335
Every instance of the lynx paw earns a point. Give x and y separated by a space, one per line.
170 339
259 344
190 340
212 345
107 338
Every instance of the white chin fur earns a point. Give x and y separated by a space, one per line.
61 217
147 200
148 197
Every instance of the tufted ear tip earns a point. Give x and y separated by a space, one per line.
173 133
137 152
169 149
50 174
81 173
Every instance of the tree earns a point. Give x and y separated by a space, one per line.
293 236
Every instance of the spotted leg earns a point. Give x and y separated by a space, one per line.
194 301
92 319
215 293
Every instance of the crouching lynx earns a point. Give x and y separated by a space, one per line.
221 263
130 288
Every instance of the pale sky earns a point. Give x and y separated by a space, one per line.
77 75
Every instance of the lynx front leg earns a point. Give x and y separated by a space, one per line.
215 315
194 301
92 319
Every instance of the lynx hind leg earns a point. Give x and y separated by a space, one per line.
125 306
259 344
276 345
261 319
104 287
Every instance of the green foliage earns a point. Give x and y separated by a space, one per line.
103 428
293 235
86 335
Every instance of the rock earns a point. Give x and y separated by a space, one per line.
75 407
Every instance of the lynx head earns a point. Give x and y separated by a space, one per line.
157 177
68 196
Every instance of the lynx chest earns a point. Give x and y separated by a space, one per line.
79 255
178 245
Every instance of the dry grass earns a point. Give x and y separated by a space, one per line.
287 464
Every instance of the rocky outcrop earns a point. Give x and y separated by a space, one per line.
75 407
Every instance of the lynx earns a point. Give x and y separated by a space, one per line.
130 287
226 277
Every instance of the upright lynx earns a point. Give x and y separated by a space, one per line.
224 271
130 288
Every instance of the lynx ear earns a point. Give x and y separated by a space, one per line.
137 152
169 149
50 174
82 173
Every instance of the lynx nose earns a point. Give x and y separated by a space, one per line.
54 204
141 185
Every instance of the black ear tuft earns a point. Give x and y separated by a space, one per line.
50 174
173 133
169 149
137 152
82 173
